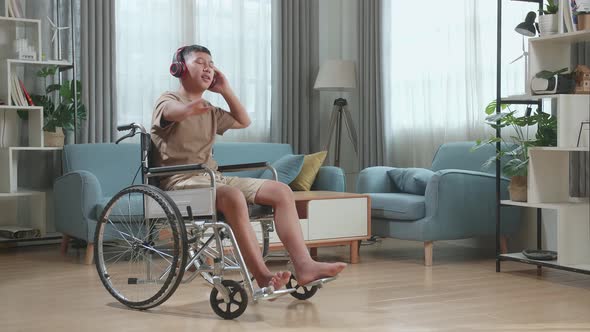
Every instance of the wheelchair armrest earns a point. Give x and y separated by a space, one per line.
242 167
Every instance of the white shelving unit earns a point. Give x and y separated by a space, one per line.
11 194
549 167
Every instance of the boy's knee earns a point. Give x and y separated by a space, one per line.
230 197
282 192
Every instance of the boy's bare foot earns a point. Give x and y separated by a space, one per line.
277 281
316 270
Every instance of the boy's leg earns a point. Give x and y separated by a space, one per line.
230 201
280 197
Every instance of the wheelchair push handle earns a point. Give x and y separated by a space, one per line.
132 127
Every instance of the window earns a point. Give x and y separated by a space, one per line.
440 72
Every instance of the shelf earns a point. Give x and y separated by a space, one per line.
519 257
30 148
21 193
19 108
46 237
63 65
555 148
19 20
563 38
535 98
551 206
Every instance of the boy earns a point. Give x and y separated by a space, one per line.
184 126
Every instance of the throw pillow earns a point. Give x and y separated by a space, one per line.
411 180
309 171
288 167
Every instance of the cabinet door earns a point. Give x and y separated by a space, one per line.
337 218
274 238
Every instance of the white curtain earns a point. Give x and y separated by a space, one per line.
439 60
238 33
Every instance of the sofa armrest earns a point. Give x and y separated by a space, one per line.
330 178
375 180
464 203
75 197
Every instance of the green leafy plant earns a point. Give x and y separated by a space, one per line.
515 149
61 112
550 8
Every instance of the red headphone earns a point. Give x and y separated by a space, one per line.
178 67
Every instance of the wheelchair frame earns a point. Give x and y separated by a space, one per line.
190 254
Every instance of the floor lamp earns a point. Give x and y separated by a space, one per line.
338 75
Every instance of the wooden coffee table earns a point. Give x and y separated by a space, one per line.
331 219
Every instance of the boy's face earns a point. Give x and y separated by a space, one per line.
200 69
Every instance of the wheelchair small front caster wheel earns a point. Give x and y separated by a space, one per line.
238 300
301 292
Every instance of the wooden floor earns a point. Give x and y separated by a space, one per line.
390 290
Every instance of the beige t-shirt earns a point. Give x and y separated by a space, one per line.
187 142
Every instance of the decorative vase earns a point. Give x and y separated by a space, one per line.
518 188
54 139
548 24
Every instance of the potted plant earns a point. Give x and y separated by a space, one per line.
514 151
58 116
548 20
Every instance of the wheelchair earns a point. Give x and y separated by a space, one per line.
148 242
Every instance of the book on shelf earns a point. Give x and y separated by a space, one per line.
27 95
16 8
19 232
9 9
16 93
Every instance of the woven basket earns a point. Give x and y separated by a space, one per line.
54 139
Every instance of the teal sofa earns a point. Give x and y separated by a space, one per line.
459 201
93 173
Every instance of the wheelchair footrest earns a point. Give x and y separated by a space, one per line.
268 293
320 282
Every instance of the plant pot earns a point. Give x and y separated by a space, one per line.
54 139
548 24
518 188
583 21
69 137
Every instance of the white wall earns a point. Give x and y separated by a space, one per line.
338 37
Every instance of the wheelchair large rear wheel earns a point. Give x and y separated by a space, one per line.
141 246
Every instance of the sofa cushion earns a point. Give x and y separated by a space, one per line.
288 167
398 206
309 171
411 180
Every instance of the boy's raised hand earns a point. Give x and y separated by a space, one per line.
220 84
199 106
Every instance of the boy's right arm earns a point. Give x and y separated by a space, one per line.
176 111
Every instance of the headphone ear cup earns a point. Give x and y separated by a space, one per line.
177 68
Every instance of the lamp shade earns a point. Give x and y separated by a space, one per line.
336 75
527 28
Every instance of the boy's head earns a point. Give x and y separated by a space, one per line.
193 65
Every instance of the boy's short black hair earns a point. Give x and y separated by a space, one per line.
194 48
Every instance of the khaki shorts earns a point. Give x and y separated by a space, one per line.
248 186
